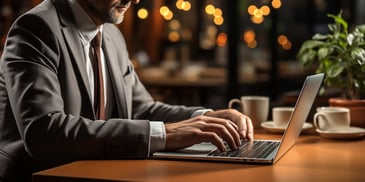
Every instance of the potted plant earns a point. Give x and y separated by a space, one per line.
340 54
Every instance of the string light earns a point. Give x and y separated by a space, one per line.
217 14
164 10
186 6
276 4
221 39
284 42
257 14
218 20
183 5
251 9
174 36
209 9
257 20
179 4
142 13
175 24
265 10
166 13
249 37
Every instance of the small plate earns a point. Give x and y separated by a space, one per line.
269 126
351 133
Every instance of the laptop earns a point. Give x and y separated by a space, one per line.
257 151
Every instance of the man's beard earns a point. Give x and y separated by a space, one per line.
109 16
112 16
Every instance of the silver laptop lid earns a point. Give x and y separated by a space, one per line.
303 106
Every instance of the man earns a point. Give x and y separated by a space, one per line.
49 95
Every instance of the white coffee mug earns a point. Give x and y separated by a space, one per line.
255 107
281 116
332 118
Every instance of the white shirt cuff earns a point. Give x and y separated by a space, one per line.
200 112
157 136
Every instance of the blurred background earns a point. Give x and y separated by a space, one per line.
205 52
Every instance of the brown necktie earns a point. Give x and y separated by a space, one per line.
98 78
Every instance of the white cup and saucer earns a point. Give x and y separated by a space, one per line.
334 123
281 117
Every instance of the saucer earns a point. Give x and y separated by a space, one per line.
351 133
269 126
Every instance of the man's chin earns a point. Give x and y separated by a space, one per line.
115 19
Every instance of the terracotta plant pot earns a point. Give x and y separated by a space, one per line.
357 110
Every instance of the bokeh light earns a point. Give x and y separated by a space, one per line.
221 39
142 13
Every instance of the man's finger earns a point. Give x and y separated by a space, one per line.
224 133
250 129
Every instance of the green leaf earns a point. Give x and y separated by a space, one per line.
336 35
338 19
310 44
320 37
358 54
363 71
361 28
335 48
350 38
334 71
332 27
322 53
307 58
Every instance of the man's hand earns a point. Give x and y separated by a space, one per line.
229 125
244 123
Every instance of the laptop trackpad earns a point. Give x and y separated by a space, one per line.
201 148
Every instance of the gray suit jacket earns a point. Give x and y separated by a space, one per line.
46 115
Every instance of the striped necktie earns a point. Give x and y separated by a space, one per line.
99 103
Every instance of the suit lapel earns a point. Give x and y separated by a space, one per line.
116 76
73 44
78 58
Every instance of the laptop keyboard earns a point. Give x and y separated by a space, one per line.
249 149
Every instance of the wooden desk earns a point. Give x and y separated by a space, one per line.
312 159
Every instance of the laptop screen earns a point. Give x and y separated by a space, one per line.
302 108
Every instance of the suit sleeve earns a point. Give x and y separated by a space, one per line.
146 107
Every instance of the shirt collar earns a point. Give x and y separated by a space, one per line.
86 26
